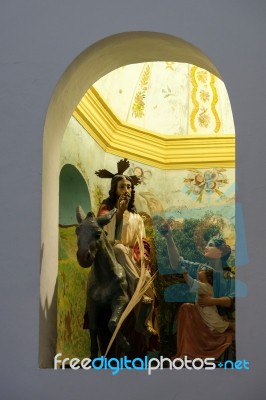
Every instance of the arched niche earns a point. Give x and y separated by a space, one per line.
73 190
96 61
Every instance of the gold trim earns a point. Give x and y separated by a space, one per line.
194 98
213 105
147 147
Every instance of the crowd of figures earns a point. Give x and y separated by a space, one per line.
204 328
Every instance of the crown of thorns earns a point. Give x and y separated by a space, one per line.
122 166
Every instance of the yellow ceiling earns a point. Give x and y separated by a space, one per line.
169 115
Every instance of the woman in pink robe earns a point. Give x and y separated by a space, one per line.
194 338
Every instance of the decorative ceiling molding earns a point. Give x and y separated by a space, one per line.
161 151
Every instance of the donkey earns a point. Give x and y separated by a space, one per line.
107 284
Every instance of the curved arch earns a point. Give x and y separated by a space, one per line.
96 61
73 190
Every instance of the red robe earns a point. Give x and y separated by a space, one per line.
195 339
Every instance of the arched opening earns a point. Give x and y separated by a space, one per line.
72 191
95 62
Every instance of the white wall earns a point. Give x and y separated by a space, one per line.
38 41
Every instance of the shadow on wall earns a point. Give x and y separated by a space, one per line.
46 313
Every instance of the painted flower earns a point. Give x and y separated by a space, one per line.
204 96
204 118
202 76
208 182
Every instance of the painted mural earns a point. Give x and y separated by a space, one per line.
169 98
197 204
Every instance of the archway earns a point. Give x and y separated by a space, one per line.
96 61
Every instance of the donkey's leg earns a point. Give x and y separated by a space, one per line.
118 305
93 330
94 344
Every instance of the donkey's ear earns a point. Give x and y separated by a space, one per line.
90 215
80 214
106 218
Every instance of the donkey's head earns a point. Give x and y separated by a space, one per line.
89 233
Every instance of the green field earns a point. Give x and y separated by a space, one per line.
72 339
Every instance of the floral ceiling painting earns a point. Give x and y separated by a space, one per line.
168 98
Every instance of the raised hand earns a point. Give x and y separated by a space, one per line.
123 201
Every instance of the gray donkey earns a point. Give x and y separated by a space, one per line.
107 284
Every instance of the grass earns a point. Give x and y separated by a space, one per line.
72 339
